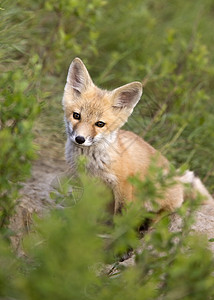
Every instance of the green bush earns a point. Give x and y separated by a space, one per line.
68 255
18 110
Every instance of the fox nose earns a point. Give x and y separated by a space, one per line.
80 139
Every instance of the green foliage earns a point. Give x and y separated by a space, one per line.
61 30
71 261
18 111
67 255
17 114
9 269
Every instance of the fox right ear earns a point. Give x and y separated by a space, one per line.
78 77
127 96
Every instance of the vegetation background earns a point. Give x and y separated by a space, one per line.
168 45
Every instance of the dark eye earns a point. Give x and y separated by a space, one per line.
76 116
100 124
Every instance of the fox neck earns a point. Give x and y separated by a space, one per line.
98 158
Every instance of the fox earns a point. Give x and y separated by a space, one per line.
93 119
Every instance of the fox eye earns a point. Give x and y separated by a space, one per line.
76 116
100 124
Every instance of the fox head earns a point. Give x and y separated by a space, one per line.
93 114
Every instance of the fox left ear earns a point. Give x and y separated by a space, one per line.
127 96
78 77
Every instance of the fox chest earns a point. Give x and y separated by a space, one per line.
98 163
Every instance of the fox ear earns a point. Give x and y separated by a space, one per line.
127 96
78 77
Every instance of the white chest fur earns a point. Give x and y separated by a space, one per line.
98 161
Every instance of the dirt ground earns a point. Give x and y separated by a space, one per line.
35 194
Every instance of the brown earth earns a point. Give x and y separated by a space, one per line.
34 195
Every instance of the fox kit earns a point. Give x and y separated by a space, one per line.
93 118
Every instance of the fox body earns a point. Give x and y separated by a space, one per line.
93 118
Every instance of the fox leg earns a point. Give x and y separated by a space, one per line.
123 194
118 202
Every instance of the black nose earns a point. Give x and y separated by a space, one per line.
80 139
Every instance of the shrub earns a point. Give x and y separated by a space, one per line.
18 111
68 255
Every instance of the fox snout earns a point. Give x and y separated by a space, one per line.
81 140
78 137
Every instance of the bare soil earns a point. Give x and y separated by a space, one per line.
35 193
